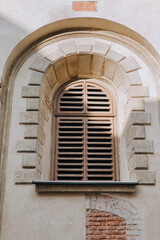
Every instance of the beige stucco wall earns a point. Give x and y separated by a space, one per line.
18 18
26 214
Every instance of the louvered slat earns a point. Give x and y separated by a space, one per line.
102 153
84 134
97 100
69 150
72 99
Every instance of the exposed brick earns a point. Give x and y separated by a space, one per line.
103 225
89 6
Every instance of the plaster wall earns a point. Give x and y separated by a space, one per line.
20 18
26 214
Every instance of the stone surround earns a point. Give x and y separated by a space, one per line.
74 60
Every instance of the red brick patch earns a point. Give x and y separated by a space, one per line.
104 226
88 6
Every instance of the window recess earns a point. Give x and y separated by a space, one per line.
84 127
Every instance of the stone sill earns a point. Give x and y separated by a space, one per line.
84 186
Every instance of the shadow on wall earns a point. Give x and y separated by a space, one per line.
10 36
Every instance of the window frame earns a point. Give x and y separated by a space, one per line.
55 114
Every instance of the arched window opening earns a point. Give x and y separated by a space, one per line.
84 133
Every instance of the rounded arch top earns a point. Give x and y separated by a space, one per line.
85 96
47 32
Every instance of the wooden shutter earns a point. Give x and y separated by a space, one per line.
100 155
70 147
84 133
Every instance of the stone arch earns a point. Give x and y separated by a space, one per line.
124 210
72 60
46 66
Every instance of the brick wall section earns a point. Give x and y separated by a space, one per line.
105 213
104 225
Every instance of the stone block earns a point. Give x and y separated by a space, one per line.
39 148
68 47
72 65
134 104
124 85
119 75
140 118
130 64
100 48
97 65
138 162
35 78
32 104
145 177
134 78
44 110
137 92
137 118
135 132
55 55
31 131
109 68
84 48
84 64
40 64
29 117
46 87
27 145
139 147
115 56
51 76
41 135
61 70
27 176
41 120
31 160
31 92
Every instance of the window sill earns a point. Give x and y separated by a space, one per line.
84 186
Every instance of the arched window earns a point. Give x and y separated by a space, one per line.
84 133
